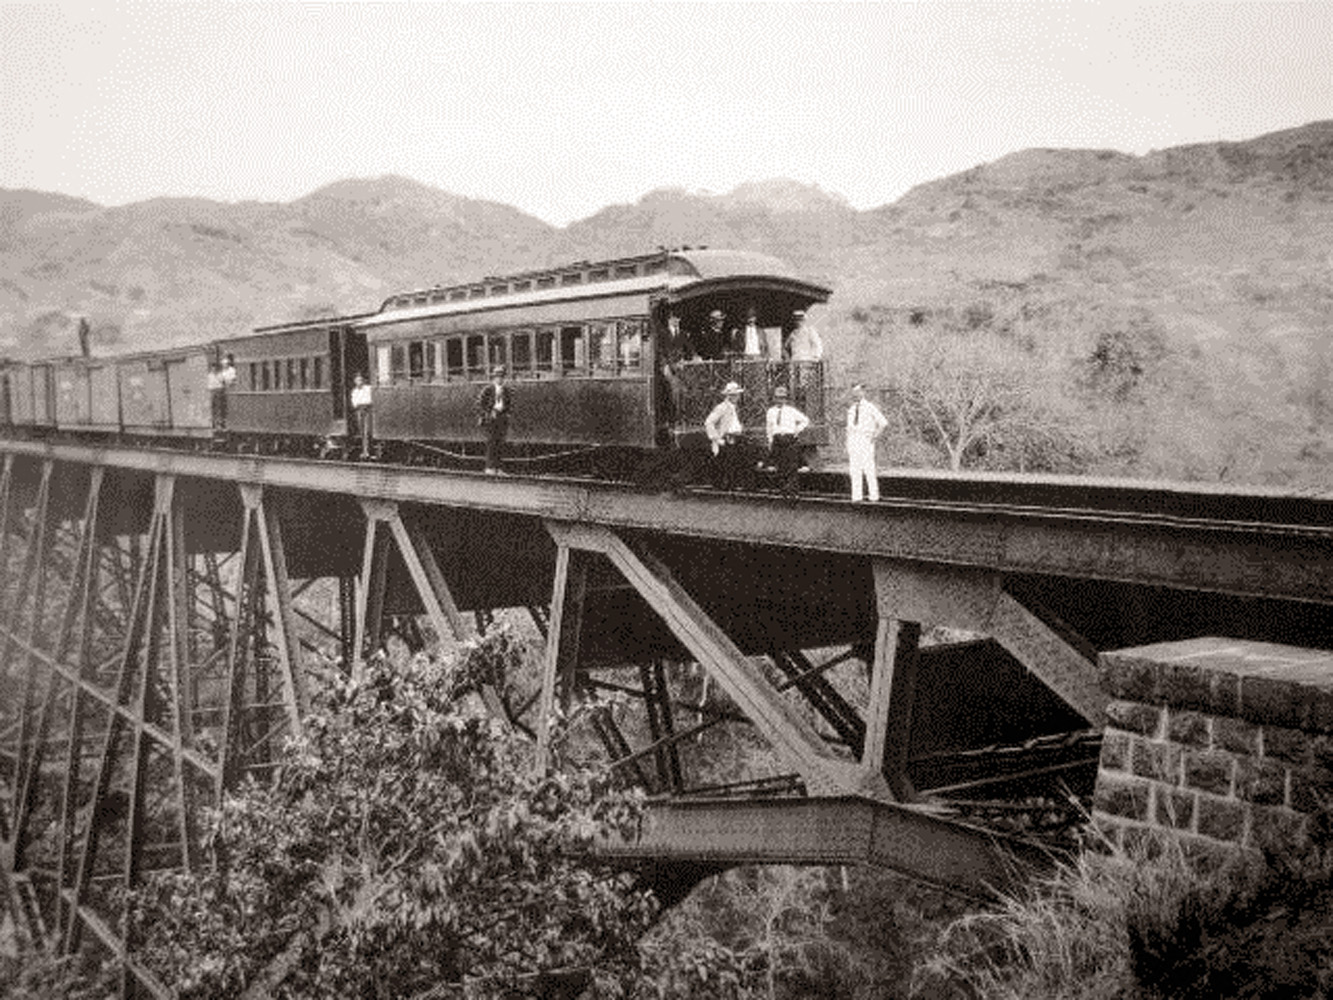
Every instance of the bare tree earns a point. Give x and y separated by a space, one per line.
979 399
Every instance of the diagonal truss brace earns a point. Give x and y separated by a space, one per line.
792 736
425 572
976 600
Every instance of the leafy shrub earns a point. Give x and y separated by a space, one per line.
407 843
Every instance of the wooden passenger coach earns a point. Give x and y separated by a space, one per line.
586 347
292 380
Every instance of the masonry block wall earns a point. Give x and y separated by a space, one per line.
1219 742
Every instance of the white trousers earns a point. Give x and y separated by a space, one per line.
861 467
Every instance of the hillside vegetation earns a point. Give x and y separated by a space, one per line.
1164 315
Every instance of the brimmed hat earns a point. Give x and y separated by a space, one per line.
780 392
798 312
498 370
732 389
716 314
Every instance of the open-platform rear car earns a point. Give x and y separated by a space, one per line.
600 355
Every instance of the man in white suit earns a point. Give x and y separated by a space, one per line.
865 423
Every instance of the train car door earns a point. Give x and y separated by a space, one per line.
6 399
348 354
43 395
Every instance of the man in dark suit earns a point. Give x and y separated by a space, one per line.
493 408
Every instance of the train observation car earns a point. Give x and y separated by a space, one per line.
292 383
618 356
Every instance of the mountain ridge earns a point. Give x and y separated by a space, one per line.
1221 249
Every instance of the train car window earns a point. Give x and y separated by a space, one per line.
476 356
383 369
436 349
317 375
626 270
631 344
655 266
453 358
265 377
545 350
416 360
398 362
572 279
573 350
437 296
521 351
305 373
499 289
291 374
602 348
458 295
254 376
601 274
522 286
498 355
546 282
477 292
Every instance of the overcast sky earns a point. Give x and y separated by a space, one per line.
562 109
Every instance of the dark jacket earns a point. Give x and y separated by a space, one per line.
486 403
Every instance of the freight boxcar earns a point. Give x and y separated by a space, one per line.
73 402
165 394
31 395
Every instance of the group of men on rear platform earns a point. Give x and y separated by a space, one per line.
715 340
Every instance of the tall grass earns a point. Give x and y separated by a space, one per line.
1150 920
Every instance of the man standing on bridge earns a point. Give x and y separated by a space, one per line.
362 412
865 423
784 425
493 408
726 438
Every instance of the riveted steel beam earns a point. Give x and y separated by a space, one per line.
889 710
976 600
1269 544
564 629
830 831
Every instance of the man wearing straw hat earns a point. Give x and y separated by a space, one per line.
726 437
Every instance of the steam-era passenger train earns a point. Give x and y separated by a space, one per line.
608 362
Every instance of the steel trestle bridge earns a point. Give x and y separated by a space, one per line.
921 670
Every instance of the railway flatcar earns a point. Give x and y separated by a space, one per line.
610 358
